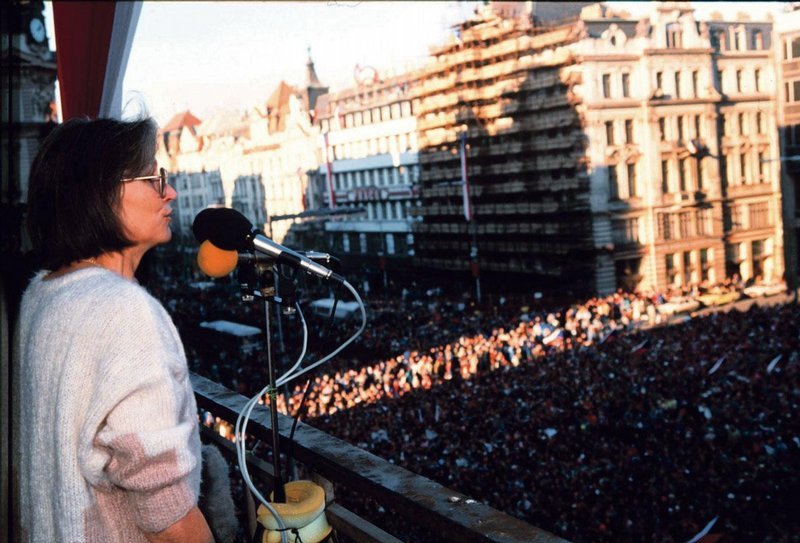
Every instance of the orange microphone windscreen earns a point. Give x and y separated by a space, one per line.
214 261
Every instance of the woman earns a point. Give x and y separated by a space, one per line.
107 438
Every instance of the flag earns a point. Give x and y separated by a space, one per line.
717 365
774 363
641 348
465 179
611 336
702 533
556 337
331 195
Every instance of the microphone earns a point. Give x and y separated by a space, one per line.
216 262
229 230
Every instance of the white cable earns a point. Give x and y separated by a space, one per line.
241 431
288 376
243 419
305 344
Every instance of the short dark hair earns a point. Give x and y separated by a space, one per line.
74 187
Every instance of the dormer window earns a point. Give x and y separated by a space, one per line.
674 36
758 40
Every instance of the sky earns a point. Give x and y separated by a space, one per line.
205 56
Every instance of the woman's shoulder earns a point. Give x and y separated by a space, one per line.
93 289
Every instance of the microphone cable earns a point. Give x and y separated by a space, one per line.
241 431
307 388
243 419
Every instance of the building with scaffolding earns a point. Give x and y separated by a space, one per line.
602 151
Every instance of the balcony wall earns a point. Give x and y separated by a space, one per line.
424 504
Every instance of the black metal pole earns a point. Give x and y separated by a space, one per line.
278 493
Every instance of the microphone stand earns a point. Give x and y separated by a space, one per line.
279 496
261 278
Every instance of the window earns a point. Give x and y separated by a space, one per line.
695 83
762 168
625 231
674 36
725 125
744 162
662 129
626 85
660 80
704 222
720 80
628 131
796 48
683 175
759 215
701 174
760 128
609 132
742 124
665 188
796 91
633 189
737 43
665 230
677 84
685 224
672 272
738 80
757 76
346 243
613 182
606 85
688 268
698 133
758 40
681 132
362 241
719 40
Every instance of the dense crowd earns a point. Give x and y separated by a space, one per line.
599 435
618 442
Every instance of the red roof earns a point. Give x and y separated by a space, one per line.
180 120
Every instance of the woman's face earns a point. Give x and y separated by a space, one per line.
144 214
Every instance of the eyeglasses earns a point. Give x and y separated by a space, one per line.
162 178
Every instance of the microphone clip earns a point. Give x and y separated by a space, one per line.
262 278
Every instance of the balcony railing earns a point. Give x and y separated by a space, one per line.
443 513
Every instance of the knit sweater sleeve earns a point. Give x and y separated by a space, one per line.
146 440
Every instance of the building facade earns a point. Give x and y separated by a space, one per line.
604 152
256 162
28 111
368 145
787 57
680 122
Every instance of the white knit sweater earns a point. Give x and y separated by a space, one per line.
106 422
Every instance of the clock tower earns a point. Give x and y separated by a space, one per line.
27 87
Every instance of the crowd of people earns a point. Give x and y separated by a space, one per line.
590 432
618 442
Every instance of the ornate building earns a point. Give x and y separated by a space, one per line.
28 108
603 152
368 145
255 162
